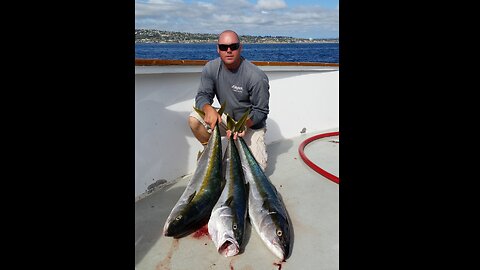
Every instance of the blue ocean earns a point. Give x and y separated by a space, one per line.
291 52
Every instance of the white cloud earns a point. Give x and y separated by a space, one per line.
270 4
204 5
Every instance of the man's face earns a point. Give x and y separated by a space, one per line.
230 57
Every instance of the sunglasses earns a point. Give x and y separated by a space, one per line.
233 46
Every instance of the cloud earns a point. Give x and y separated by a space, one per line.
214 16
270 4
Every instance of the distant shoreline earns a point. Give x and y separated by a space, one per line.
312 42
147 36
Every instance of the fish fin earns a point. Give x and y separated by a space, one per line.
269 206
237 126
228 202
191 197
230 123
200 112
240 126
222 108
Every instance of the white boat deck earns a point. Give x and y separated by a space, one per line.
312 202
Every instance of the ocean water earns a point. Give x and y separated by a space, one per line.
292 52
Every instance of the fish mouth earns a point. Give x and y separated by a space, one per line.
169 230
166 229
181 231
229 248
280 251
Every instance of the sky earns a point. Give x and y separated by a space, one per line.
293 18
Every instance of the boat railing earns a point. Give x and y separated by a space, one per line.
166 62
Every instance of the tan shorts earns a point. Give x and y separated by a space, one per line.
255 138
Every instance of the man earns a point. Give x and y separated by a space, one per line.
242 85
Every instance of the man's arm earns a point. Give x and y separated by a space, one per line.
204 97
259 97
205 92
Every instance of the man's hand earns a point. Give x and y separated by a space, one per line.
211 116
236 134
240 134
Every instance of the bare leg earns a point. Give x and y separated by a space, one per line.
198 130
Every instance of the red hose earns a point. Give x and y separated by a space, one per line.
310 163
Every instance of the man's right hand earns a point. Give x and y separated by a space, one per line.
211 115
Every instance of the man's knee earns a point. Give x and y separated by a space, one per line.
256 142
193 122
198 129
262 158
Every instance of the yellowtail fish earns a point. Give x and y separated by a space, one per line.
202 191
227 221
266 210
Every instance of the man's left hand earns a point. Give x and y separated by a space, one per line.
239 134
236 134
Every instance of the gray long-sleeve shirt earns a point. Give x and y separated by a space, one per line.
247 87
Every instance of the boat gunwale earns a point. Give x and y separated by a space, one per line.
169 62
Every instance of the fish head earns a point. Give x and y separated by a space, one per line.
221 228
277 234
238 227
178 223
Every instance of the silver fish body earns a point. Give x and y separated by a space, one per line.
227 221
266 210
201 193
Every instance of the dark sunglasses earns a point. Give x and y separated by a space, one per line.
233 46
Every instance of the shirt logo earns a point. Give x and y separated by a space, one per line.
237 89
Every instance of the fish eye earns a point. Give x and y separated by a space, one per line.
178 217
279 232
234 226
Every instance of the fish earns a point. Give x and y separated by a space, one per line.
228 219
266 210
195 205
